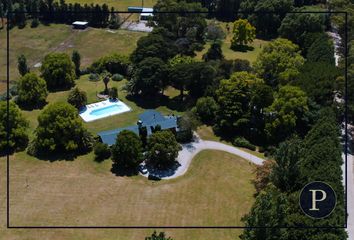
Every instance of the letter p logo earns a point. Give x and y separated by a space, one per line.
317 200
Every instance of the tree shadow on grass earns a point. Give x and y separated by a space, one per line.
53 157
123 171
242 48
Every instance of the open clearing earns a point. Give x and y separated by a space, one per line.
35 43
119 5
83 192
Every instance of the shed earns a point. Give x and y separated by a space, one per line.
80 25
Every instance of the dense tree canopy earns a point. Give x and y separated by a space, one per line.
150 77
279 62
60 130
22 65
286 112
18 138
206 109
162 149
127 152
58 71
32 90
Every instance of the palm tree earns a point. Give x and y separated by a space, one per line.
106 81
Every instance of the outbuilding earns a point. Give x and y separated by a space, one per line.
80 25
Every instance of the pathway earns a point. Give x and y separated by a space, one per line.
190 150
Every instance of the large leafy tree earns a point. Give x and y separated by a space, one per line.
150 77
156 44
17 128
269 17
295 26
127 152
58 71
243 33
77 98
233 97
60 130
214 52
279 62
162 149
320 48
286 112
32 90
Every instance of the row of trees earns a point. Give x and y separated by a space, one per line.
298 162
49 11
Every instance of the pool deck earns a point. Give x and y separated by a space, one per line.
87 116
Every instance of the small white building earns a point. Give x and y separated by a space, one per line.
80 25
146 14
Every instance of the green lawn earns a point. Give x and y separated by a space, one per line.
119 5
230 54
217 190
35 43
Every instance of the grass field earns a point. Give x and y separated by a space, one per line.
217 190
230 54
119 5
35 43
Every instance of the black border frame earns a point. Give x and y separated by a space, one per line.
188 227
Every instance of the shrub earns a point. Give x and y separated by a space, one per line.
34 23
101 151
94 77
206 108
261 149
117 77
243 142
77 98
114 63
32 90
113 93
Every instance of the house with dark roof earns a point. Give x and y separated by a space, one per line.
149 119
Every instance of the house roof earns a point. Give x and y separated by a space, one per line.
149 119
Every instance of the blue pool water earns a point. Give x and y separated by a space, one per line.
106 110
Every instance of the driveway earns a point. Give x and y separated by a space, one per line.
188 152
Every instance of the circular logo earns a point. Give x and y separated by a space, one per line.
318 200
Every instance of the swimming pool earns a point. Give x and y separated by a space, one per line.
103 109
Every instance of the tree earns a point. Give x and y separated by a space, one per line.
2 14
295 26
60 130
265 15
22 65
162 149
127 152
76 58
263 173
214 32
214 52
321 49
77 98
106 78
113 63
19 15
201 77
317 79
285 114
32 90
180 68
101 151
114 20
269 211
155 44
150 77
113 93
243 33
233 97
279 62
160 236
285 173
58 71
206 109
16 126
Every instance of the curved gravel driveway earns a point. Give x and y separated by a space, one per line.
188 152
